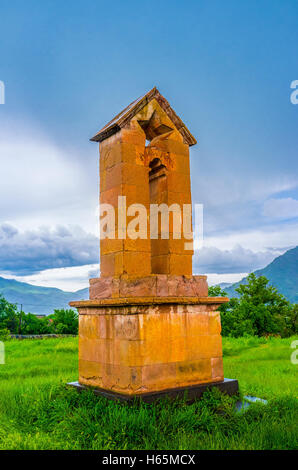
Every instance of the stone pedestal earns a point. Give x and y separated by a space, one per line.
140 345
190 393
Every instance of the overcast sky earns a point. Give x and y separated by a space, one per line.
69 67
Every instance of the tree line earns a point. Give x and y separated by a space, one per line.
15 322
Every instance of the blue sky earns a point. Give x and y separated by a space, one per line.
69 67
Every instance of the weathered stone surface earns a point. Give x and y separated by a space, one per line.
217 368
139 287
160 285
156 348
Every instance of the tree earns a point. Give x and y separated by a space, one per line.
216 291
61 321
291 322
263 305
9 316
32 325
260 310
65 321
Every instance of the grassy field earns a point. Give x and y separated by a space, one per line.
37 411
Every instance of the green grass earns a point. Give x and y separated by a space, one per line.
37 410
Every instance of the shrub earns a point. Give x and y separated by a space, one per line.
4 334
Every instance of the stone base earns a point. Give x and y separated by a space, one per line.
138 345
192 393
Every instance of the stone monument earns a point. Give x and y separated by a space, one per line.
149 328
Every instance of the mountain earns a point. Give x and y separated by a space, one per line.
282 273
38 299
224 285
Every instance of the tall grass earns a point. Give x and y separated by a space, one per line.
37 410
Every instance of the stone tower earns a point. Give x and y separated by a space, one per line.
149 326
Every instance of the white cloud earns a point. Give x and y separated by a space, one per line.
278 237
284 208
42 183
214 278
35 175
220 187
210 259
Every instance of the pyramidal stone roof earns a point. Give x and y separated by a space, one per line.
131 110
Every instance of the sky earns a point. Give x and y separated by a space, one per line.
68 67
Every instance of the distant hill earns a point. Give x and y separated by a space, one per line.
282 273
38 299
224 285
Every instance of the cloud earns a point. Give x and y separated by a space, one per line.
214 278
93 272
273 237
68 279
235 202
284 208
41 180
210 259
219 186
31 251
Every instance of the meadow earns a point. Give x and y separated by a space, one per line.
38 411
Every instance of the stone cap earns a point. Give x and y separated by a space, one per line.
131 110
127 301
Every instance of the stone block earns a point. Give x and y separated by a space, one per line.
110 196
162 289
217 368
112 264
214 323
139 245
138 286
133 135
126 327
204 346
159 376
136 263
160 264
108 245
193 371
180 264
197 323
104 287
171 146
178 182
90 373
